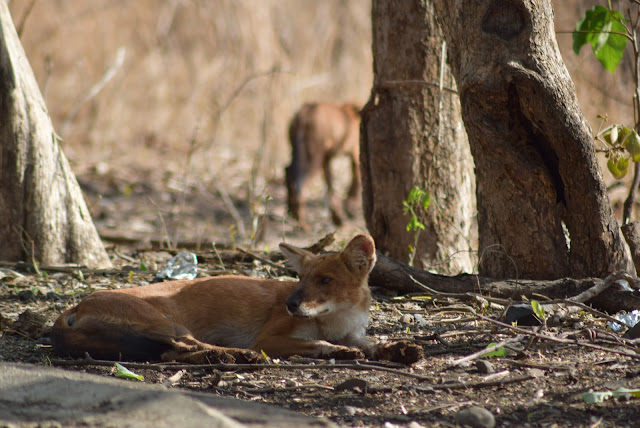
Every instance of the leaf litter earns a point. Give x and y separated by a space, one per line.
540 376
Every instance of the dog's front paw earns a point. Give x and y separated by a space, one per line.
345 353
246 356
402 351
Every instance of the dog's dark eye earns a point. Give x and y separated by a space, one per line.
325 280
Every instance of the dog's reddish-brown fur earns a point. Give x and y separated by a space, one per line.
318 133
232 318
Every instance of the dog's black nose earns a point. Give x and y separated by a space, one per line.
293 303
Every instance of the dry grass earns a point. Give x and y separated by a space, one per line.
200 78
203 97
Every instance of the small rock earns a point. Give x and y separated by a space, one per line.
535 372
485 367
5 323
53 296
522 313
347 411
290 383
475 417
633 332
407 319
27 295
353 384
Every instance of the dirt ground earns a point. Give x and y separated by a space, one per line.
538 382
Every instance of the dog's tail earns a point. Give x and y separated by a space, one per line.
297 172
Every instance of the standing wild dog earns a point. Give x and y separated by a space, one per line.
234 318
319 132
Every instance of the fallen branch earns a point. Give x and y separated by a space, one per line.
392 275
272 389
564 307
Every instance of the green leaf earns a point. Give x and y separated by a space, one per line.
414 195
500 352
143 265
618 167
125 373
414 224
623 165
537 309
426 201
592 21
597 27
632 145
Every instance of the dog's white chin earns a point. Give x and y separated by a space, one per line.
311 312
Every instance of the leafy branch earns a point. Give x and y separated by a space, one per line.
608 31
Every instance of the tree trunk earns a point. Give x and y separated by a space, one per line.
412 135
543 211
43 216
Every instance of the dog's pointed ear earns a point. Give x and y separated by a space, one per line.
296 257
360 254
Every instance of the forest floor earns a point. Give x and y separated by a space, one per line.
538 382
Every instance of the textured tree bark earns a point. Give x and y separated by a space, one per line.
43 216
543 211
412 135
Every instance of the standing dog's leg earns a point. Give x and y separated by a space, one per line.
334 205
354 195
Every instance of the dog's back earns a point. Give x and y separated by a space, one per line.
317 133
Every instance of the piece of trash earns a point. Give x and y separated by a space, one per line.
624 284
600 396
183 266
629 319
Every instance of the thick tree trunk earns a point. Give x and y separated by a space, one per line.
543 210
43 216
412 135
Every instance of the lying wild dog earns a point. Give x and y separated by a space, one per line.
234 318
318 133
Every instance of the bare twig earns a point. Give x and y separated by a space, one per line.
25 15
95 89
481 384
486 351
271 389
547 338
